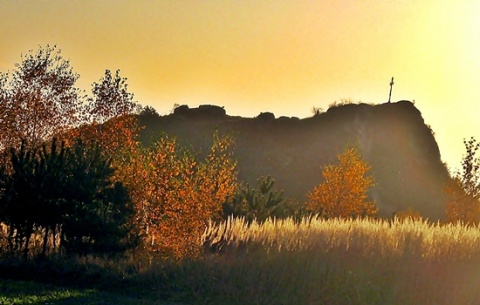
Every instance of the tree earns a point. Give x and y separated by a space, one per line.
111 98
258 204
317 111
149 112
68 190
343 193
18 198
112 122
52 176
463 191
39 99
176 193
99 211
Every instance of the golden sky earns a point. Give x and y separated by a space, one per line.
280 56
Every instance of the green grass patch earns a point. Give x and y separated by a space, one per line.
29 292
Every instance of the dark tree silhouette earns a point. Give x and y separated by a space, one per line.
65 190
98 213
18 192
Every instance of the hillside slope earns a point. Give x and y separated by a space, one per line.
392 137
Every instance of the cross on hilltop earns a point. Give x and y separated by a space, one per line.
391 86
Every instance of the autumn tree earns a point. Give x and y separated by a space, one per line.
111 98
463 190
110 115
39 98
176 193
343 192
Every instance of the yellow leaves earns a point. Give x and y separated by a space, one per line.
344 190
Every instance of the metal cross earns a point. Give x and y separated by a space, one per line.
391 86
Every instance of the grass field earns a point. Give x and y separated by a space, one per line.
350 261
284 262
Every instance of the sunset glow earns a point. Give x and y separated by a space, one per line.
279 56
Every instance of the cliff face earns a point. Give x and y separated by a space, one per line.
392 137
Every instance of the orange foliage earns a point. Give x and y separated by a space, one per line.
113 124
38 99
176 195
117 137
344 190
111 110
461 206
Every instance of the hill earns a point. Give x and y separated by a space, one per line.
392 137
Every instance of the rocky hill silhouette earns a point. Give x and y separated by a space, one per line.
392 137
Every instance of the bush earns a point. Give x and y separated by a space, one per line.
343 193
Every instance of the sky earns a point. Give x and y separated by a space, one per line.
281 56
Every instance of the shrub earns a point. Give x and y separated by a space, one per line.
343 193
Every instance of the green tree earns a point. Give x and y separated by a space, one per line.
69 190
51 175
99 212
257 204
18 198
343 192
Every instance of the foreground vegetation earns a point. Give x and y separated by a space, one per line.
286 262
348 262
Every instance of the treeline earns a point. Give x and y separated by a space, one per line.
74 177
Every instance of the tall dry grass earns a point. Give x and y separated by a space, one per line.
338 261
372 237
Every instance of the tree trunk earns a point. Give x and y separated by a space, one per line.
45 241
27 242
